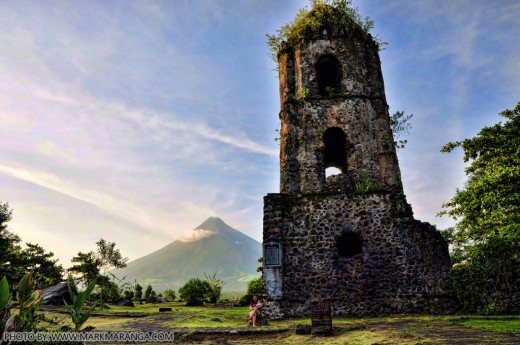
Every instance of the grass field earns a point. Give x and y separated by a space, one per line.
401 329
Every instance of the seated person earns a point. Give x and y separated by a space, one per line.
255 305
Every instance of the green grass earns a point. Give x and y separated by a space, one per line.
490 323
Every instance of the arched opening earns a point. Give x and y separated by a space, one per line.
349 245
328 75
335 153
331 171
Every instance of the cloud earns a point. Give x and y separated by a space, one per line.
196 235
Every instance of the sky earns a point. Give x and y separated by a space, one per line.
134 121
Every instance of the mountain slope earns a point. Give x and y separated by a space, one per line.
213 246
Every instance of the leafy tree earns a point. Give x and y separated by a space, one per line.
169 294
129 294
9 248
36 261
87 266
138 291
108 290
108 256
215 287
487 235
194 291
489 205
401 126
148 292
255 286
15 262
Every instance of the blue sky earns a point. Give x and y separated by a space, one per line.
136 120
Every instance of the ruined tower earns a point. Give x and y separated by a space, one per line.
349 238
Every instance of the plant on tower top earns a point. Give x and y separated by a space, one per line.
336 15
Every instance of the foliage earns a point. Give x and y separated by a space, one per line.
5 303
87 266
108 256
304 93
169 295
401 126
487 236
79 317
108 290
138 291
194 291
129 294
337 15
148 292
9 248
331 91
215 287
465 281
5 294
36 261
28 301
255 286
490 203
260 260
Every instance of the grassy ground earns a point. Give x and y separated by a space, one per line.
220 324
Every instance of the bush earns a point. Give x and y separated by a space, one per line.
194 291
466 283
255 286
169 295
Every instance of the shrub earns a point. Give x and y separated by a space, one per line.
255 286
215 287
169 294
194 291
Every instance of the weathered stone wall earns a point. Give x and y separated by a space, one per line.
403 266
359 109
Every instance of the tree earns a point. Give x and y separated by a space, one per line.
15 262
255 286
489 205
44 270
88 266
138 291
487 210
401 126
194 291
148 292
215 287
108 256
9 248
169 294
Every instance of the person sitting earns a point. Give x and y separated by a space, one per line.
255 305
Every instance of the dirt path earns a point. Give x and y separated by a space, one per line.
375 333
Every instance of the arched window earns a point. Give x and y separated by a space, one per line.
349 245
335 152
328 75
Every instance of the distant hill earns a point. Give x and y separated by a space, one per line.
212 247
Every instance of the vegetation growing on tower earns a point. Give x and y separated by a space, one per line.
337 16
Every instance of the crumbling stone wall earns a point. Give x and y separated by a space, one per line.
403 266
313 228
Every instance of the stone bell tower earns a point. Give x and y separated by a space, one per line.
349 238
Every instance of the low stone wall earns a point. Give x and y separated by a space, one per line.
402 264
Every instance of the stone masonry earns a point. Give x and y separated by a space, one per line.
349 238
